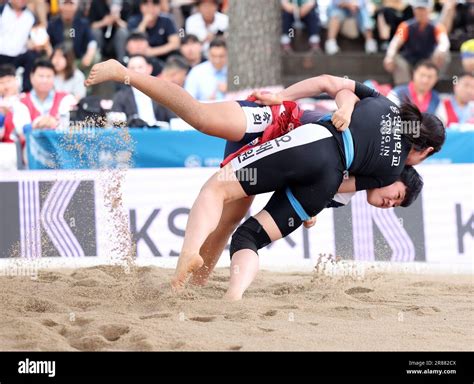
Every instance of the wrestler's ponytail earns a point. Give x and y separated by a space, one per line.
426 130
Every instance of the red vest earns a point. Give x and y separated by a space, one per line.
34 113
9 129
450 113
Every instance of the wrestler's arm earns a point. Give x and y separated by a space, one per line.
345 101
312 87
348 185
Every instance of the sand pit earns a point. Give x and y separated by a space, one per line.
102 308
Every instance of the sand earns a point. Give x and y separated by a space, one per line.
103 308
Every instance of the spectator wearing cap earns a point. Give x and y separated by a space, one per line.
137 44
71 28
107 25
140 109
420 90
467 56
305 11
191 50
416 40
458 108
44 104
160 29
207 23
338 12
16 47
208 81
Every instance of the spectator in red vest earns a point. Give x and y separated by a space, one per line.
420 90
13 114
459 107
44 104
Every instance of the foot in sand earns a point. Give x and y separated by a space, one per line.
200 277
232 296
110 70
187 264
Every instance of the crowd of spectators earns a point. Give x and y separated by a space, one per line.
47 48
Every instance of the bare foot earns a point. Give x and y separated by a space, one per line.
187 264
110 70
230 296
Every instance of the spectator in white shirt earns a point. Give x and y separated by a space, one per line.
207 23
16 47
208 81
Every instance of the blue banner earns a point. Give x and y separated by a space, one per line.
458 148
154 148
112 148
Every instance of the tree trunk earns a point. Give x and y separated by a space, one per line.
254 44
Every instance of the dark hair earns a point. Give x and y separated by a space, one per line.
42 63
7 70
427 64
218 42
68 53
135 36
154 1
190 39
431 129
414 184
176 62
217 2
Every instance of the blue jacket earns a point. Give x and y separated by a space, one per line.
81 34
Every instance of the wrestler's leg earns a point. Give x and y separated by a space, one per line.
211 250
223 119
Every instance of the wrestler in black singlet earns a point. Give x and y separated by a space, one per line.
311 160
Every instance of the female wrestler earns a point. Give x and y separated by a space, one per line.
304 167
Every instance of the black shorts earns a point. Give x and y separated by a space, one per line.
306 161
